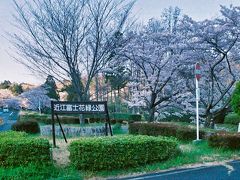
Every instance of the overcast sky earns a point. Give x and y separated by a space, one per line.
144 10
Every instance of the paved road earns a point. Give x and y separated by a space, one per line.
230 171
8 118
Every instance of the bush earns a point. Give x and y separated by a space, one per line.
107 153
235 100
232 118
225 140
30 126
164 129
17 149
135 117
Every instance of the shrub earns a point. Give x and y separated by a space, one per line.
235 101
119 116
135 117
232 118
164 129
30 126
225 140
17 149
107 153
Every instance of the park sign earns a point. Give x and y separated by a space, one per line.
79 107
67 107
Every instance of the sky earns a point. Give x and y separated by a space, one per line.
143 10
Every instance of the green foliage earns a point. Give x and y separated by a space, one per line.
117 129
126 117
225 140
135 117
232 118
16 148
164 129
30 126
36 172
117 152
72 94
51 87
235 101
118 79
16 89
5 84
174 118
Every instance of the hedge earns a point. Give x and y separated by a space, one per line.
17 148
107 153
30 126
224 140
232 118
164 129
71 119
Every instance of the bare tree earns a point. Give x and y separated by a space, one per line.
70 39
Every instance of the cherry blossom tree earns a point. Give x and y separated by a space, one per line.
154 52
35 98
215 45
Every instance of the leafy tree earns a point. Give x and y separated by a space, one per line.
51 88
235 101
118 78
5 84
72 94
16 89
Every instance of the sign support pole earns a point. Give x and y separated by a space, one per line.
197 108
197 78
53 125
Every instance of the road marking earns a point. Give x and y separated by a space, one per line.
11 113
171 173
229 168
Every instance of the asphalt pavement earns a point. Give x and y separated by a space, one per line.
228 171
8 119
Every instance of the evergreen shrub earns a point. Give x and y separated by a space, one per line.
18 149
232 118
107 153
164 129
225 140
30 126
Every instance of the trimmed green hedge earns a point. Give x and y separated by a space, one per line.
74 119
107 153
30 126
232 118
17 148
225 140
164 129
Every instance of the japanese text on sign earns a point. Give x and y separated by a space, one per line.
79 108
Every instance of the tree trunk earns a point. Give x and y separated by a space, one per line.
115 101
151 114
209 119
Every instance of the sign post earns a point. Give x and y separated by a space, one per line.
66 107
197 77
